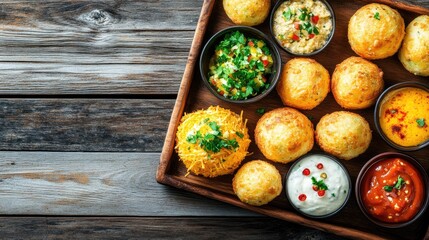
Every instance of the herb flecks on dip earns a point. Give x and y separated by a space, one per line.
240 67
317 185
404 116
302 26
392 190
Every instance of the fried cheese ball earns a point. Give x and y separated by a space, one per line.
247 12
376 31
356 83
284 134
414 53
257 183
303 84
343 134
212 142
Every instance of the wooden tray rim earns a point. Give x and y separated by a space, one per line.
178 110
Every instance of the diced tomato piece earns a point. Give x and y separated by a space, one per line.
302 197
296 25
265 62
306 172
264 79
251 44
295 37
319 166
321 193
315 19
311 35
249 58
315 188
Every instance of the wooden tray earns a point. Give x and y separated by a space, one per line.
193 95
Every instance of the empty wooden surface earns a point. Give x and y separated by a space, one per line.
87 89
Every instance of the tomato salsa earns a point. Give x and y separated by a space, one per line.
392 190
240 66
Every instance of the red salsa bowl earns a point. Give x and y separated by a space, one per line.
392 190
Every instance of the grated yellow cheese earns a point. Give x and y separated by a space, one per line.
210 164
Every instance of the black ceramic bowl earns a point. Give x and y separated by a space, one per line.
328 40
209 50
377 114
375 160
296 177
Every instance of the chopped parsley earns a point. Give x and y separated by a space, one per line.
398 185
240 66
239 134
213 141
377 15
320 184
305 15
388 188
260 111
421 122
288 14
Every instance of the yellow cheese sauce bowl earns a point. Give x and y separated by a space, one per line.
402 116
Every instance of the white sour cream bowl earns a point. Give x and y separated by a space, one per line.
318 185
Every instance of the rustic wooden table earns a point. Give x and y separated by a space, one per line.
87 89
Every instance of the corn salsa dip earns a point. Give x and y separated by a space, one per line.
302 26
404 116
240 66
317 185
392 190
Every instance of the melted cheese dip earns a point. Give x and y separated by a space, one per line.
302 26
404 116
301 190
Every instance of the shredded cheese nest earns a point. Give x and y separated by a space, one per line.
210 164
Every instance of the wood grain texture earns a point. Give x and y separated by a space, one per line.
220 188
97 124
155 228
94 47
109 184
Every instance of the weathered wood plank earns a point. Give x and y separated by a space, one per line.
84 124
147 62
155 228
96 15
94 47
110 184
20 78
144 47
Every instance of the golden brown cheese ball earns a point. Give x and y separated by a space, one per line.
343 134
257 183
284 134
414 53
212 142
304 83
356 83
247 12
376 31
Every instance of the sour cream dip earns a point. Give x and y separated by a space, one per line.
317 185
